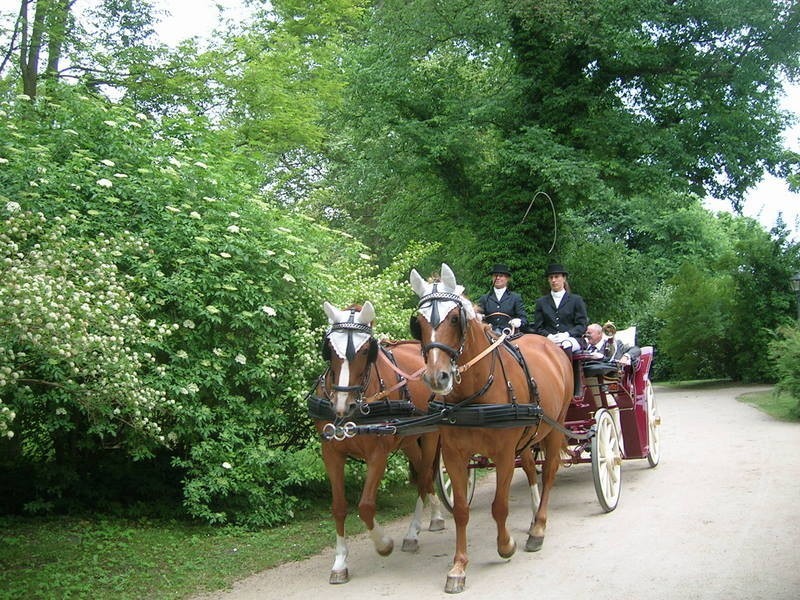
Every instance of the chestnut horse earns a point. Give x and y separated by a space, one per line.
353 388
469 367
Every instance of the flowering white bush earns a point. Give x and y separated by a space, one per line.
216 284
71 340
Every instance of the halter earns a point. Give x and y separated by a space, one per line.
350 326
433 298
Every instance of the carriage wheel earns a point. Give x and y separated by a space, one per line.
653 426
444 488
606 460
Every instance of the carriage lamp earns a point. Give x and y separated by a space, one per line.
796 287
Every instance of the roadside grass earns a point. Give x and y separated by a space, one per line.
103 557
779 406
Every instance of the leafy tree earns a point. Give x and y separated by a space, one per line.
457 113
697 322
105 44
784 350
760 265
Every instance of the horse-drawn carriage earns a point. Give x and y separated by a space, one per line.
613 417
508 399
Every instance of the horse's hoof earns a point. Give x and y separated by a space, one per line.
339 576
534 543
455 584
387 549
512 548
436 524
410 545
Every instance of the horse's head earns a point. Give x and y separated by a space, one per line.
440 324
350 349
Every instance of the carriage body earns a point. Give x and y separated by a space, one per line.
629 390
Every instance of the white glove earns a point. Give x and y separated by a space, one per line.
558 337
515 323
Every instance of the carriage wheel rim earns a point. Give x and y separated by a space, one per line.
654 427
606 461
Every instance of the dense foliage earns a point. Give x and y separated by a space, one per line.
151 305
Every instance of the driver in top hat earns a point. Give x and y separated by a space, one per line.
560 315
501 307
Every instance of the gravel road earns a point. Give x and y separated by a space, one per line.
718 518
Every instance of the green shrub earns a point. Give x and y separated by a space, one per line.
785 354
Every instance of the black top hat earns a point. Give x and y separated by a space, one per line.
500 268
555 268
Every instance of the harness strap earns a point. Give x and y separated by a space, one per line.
520 358
413 377
486 351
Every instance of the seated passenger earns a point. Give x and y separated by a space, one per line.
501 307
610 349
608 353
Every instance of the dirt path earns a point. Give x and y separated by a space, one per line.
718 518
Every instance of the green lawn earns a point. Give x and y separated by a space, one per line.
103 557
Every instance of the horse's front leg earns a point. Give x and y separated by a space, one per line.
552 443
430 453
457 466
504 467
334 465
367 506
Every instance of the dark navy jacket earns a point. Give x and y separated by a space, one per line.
570 316
510 303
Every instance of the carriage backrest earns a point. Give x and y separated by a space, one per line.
627 336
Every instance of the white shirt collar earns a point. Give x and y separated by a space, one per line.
557 296
499 292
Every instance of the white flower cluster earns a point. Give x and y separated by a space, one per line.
67 306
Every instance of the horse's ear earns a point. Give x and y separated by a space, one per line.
367 313
416 329
330 311
448 277
417 283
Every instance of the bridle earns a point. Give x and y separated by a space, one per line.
432 299
350 326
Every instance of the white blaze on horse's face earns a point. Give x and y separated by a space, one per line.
440 369
340 339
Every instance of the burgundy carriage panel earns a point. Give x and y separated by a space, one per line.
635 429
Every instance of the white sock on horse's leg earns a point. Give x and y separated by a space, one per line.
383 543
411 539
536 498
416 521
340 562
437 516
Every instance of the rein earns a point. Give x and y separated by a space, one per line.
485 352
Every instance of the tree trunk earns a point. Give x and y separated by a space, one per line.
49 23
57 29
